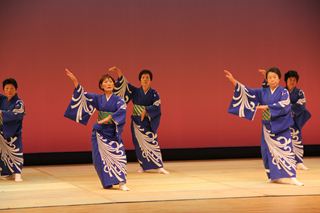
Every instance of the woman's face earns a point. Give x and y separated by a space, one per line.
107 85
273 80
9 91
145 80
291 83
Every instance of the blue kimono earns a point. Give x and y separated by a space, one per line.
108 153
300 116
144 133
11 117
276 145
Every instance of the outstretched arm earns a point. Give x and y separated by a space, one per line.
230 77
245 100
72 77
122 87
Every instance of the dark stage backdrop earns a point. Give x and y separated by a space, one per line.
186 43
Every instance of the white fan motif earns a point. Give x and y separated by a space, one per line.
113 158
242 100
281 152
123 87
297 143
148 145
82 104
10 154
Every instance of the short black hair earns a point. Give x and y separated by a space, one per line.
104 77
10 81
290 74
275 70
143 72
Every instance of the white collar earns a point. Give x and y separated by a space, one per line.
108 98
272 91
145 92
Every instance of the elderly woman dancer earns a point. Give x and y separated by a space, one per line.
299 112
11 117
108 152
276 144
300 115
145 119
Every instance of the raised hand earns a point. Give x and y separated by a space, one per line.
230 77
263 72
115 69
72 77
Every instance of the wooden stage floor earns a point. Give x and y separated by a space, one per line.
193 186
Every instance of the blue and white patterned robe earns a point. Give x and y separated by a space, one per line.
108 151
10 135
276 145
300 116
144 133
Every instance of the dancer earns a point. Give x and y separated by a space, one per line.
11 117
276 145
145 119
108 153
300 115
299 112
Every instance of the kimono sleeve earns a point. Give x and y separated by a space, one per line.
154 110
244 101
82 106
282 107
15 115
124 89
300 114
119 116
12 120
280 112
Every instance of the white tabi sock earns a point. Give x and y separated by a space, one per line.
301 166
163 171
140 170
17 177
123 187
